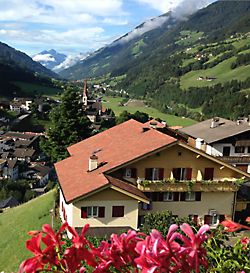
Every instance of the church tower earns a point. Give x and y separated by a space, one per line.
85 94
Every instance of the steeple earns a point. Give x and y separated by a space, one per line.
85 94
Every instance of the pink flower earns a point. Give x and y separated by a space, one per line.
245 240
157 254
192 246
231 226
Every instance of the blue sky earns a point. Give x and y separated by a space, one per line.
74 26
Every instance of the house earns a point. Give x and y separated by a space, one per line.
38 172
24 154
113 179
229 140
20 105
10 169
8 203
16 106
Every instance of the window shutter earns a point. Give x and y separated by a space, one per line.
160 196
176 173
84 212
176 196
221 218
198 196
183 196
161 173
209 174
133 172
123 171
195 219
154 196
207 219
148 173
101 212
188 173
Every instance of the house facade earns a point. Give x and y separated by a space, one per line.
131 169
229 140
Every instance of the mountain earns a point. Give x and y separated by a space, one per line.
50 58
198 67
21 76
128 47
157 38
13 57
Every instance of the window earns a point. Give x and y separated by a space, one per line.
130 172
163 196
226 151
209 174
182 173
168 196
93 212
154 174
145 206
214 219
117 211
190 196
239 149
127 172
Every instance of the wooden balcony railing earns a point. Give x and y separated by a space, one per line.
190 185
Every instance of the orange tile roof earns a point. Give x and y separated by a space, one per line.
114 147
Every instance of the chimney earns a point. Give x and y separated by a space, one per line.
93 162
214 122
153 124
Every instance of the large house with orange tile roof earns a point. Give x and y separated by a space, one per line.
112 179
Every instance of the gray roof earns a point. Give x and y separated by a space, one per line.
235 159
9 202
19 135
226 128
41 169
22 152
12 163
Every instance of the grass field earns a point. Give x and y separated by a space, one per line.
113 103
30 88
14 225
222 72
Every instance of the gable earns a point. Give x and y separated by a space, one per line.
183 156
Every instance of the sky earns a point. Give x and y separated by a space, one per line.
79 26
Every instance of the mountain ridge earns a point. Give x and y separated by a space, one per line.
10 55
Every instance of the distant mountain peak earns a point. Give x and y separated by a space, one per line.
50 58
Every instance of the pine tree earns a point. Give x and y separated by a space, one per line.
69 125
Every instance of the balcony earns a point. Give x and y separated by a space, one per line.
187 185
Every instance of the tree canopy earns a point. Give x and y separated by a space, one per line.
69 125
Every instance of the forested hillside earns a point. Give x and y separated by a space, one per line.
196 68
17 68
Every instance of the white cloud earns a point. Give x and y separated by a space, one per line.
69 61
186 8
162 5
115 21
147 26
43 58
65 12
49 36
180 8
